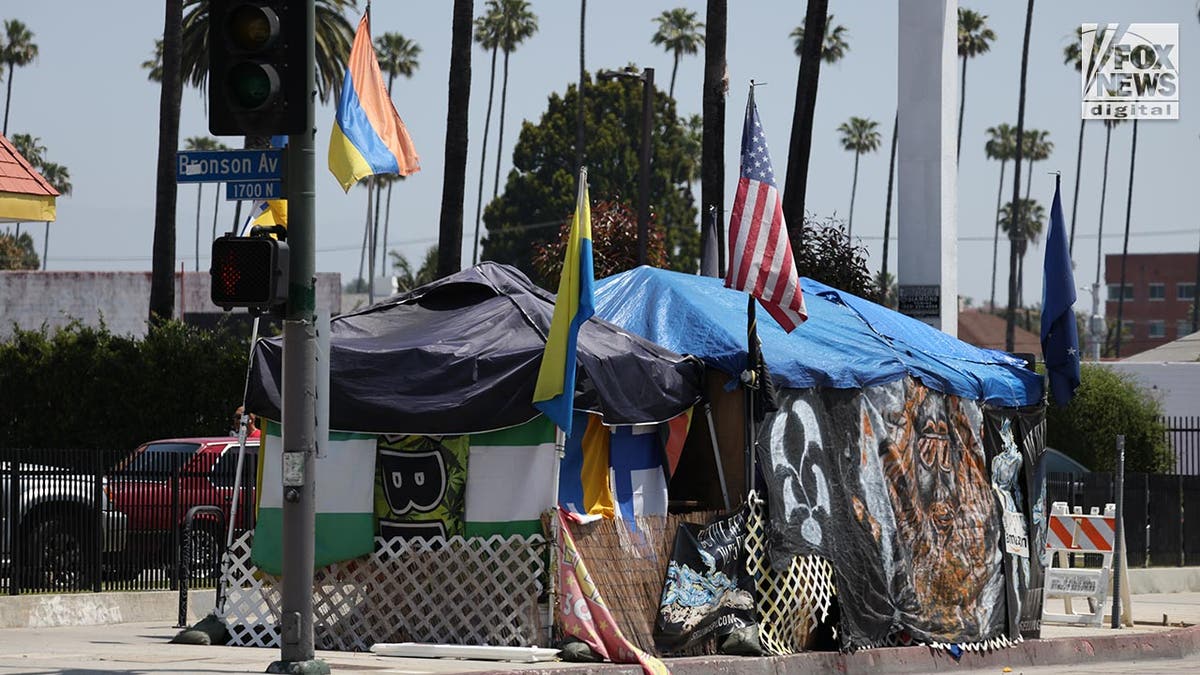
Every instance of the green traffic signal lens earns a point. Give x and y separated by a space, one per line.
252 28
252 85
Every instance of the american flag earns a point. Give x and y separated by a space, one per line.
760 260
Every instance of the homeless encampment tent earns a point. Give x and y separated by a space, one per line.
894 454
439 381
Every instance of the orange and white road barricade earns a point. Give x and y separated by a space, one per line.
1068 533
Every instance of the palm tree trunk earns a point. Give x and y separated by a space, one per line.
162 275
454 180
579 93
380 244
387 220
216 206
887 211
8 96
712 146
500 128
487 122
199 191
853 189
1010 320
1103 198
1075 203
800 143
1125 245
45 245
1029 180
362 256
373 240
674 69
962 105
996 235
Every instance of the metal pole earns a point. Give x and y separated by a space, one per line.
299 395
1119 545
644 164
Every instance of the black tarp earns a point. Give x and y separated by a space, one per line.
461 355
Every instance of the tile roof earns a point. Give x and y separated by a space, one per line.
18 176
987 330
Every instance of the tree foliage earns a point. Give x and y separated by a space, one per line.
84 387
1108 403
540 190
17 252
614 244
831 257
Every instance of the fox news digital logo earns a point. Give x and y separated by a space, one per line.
1130 71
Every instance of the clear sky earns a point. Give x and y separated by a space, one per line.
89 101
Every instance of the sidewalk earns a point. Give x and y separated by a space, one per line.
142 647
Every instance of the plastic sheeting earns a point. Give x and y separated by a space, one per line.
461 355
847 342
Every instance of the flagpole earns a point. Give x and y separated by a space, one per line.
749 385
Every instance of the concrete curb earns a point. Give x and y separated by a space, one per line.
88 609
1073 651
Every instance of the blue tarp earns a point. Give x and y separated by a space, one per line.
847 342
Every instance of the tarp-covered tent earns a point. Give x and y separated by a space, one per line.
461 355
847 343
882 456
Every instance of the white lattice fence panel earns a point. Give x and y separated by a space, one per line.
790 603
450 591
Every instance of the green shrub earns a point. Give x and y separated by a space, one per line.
83 387
1108 403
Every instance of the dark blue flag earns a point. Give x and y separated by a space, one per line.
1060 338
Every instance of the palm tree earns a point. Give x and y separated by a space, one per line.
1037 148
974 38
679 33
712 164
19 50
406 277
1028 231
1125 244
487 39
454 179
509 23
203 143
1001 146
800 142
1108 127
859 135
162 266
1073 56
397 55
1010 324
34 152
60 179
887 211
833 48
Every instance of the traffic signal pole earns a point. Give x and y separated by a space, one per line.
299 392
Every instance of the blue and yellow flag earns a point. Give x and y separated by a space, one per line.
369 137
554 394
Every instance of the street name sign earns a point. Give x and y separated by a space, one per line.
215 166
259 189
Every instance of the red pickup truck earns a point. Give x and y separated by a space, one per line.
162 480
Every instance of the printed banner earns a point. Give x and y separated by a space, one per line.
420 486
913 529
1022 431
706 591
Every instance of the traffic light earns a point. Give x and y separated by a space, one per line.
249 272
256 74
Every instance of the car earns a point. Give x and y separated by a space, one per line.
161 481
51 533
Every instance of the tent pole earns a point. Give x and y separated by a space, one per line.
552 529
237 476
712 432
